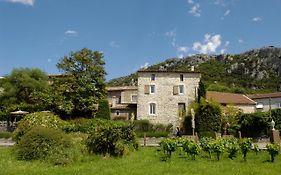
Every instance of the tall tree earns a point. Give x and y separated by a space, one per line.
18 88
84 80
201 91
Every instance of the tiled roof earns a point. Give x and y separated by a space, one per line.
168 71
120 88
229 98
267 95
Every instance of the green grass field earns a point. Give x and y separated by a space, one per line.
146 161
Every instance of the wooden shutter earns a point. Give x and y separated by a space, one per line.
176 90
146 89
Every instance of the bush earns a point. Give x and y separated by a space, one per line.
48 120
254 124
46 144
273 150
191 148
5 135
103 110
168 146
206 145
152 130
245 146
113 139
232 147
208 116
218 147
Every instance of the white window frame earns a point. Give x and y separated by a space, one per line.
150 110
150 87
132 98
183 89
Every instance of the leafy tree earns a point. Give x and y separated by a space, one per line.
208 116
201 91
84 82
19 87
103 110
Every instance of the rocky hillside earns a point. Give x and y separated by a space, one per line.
257 70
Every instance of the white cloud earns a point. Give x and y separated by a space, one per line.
226 43
256 19
172 34
71 33
241 41
226 13
209 45
222 51
114 44
190 1
195 10
49 60
25 2
144 66
180 50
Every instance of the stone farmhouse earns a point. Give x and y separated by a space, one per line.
160 97
239 101
267 101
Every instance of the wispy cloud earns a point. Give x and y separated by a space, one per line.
145 65
114 44
209 44
226 43
194 9
226 13
71 33
241 41
180 50
25 2
256 19
49 60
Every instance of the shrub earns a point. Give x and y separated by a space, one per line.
273 150
245 146
103 110
5 135
191 148
218 147
113 139
208 116
168 146
206 145
49 144
256 148
48 120
152 130
232 147
254 124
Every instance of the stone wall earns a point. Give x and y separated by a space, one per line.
126 96
164 98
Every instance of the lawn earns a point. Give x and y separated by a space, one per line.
145 161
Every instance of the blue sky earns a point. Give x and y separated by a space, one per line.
132 33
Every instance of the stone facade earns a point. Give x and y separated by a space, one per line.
123 102
161 100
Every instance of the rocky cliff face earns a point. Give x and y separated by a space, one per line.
256 69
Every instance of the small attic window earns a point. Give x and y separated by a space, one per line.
152 77
181 77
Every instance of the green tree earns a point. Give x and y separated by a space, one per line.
208 116
84 83
103 110
201 91
19 87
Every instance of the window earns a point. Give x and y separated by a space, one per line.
152 77
181 77
152 109
117 113
181 89
134 98
259 105
152 89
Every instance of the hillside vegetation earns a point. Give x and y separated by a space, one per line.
254 71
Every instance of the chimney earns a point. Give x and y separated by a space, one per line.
192 68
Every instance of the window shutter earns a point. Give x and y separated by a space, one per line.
176 90
146 89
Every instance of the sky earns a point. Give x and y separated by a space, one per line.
131 33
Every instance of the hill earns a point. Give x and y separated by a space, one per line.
257 70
